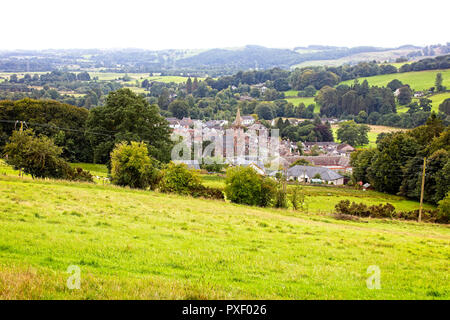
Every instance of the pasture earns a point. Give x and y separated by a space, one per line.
132 244
375 130
418 80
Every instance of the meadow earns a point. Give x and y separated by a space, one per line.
132 244
375 130
291 96
418 80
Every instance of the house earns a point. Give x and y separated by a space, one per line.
307 173
248 120
326 147
173 122
418 94
335 163
344 149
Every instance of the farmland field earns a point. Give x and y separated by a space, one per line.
147 245
418 80
138 76
373 133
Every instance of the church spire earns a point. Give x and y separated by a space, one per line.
238 121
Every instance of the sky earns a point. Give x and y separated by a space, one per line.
200 24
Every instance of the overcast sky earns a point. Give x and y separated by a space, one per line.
167 24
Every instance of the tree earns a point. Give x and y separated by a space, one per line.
164 99
353 134
127 117
445 106
394 85
264 111
438 82
51 117
394 150
245 186
40 157
132 166
405 95
189 85
179 108
361 161
425 104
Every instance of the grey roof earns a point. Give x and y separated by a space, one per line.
325 173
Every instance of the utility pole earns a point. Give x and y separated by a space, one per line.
423 186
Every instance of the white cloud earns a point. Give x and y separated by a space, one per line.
206 24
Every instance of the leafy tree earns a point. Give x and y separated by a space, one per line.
61 122
445 106
245 186
264 111
385 172
40 157
127 117
394 85
132 166
179 108
301 162
163 99
353 134
425 104
189 85
405 95
438 82
361 161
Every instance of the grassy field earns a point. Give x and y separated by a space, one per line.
291 96
419 80
146 245
138 76
373 133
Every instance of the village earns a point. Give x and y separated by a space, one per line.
241 143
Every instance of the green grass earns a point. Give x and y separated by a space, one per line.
436 100
108 76
321 199
372 135
418 80
306 100
146 245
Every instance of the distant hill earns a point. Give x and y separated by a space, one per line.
213 62
243 58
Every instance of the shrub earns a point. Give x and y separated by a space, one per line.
297 198
280 197
78 174
132 166
177 178
344 207
208 193
444 207
245 186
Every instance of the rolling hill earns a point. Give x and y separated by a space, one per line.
133 244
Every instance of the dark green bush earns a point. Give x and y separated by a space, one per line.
208 193
344 207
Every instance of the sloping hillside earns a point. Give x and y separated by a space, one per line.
139 244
